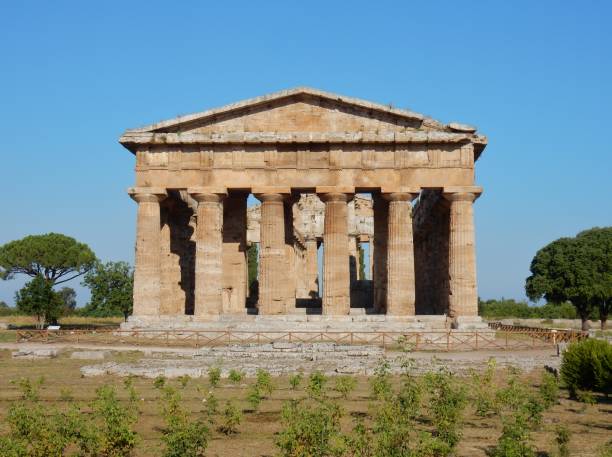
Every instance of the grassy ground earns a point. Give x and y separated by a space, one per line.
67 321
591 426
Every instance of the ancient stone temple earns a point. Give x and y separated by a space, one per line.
381 198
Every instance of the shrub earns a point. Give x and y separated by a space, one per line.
562 438
482 386
344 385
254 397
182 435
409 396
214 376
184 380
515 440
116 423
316 383
232 417
311 429
380 384
235 376
159 382
295 380
264 383
446 403
211 405
549 390
587 365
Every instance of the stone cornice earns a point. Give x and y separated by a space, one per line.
132 140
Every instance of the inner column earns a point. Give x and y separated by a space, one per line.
272 265
336 269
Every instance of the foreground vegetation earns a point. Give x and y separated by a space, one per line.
48 410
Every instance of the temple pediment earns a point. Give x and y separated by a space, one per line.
301 110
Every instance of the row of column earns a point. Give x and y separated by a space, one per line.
394 287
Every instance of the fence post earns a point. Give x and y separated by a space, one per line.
476 340
448 341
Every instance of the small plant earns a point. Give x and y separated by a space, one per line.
214 376
118 437
264 383
66 394
184 380
446 403
344 385
254 397
128 384
310 429
231 418
515 440
562 439
235 376
549 390
183 436
211 405
316 383
484 400
159 382
380 384
295 380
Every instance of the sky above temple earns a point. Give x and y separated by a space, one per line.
535 77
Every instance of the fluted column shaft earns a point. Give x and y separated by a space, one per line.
463 300
400 256
272 265
209 255
312 268
336 282
147 263
379 247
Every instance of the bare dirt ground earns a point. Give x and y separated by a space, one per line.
591 426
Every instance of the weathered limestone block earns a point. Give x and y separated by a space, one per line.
35 354
89 355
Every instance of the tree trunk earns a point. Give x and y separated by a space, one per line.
603 314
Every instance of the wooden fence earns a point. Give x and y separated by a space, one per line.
553 335
435 340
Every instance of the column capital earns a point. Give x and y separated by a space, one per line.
207 194
462 193
147 194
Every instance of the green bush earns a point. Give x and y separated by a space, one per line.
235 376
116 421
295 380
549 390
311 429
263 381
316 384
231 419
587 365
344 385
214 376
183 435
380 383
515 440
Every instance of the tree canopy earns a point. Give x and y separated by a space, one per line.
111 286
578 270
37 297
55 257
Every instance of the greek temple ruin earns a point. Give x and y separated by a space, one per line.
352 212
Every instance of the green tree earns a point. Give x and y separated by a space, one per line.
111 286
578 270
37 297
68 296
57 258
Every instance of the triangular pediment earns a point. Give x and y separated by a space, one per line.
297 110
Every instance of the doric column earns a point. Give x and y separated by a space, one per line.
272 262
209 252
463 299
400 255
147 264
336 279
379 264
312 267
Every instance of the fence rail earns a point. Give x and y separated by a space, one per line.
554 335
435 340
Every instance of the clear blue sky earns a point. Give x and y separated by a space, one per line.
536 77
